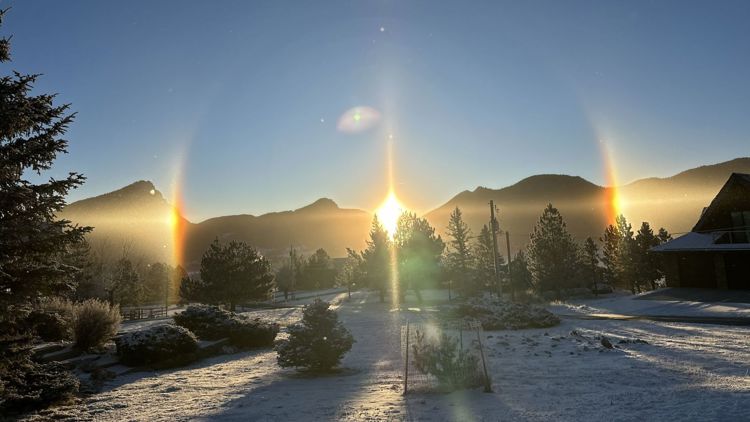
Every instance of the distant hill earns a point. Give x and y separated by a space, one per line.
136 219
321 224
674 202
137 216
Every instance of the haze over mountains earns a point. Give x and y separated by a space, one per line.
138 217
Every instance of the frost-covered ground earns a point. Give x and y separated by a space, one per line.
640 305
685 372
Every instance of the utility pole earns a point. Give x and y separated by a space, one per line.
510 276
493 225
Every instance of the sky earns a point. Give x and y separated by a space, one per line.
236 103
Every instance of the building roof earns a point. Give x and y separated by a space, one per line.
699 242
736 190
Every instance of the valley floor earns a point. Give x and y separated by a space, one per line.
684 372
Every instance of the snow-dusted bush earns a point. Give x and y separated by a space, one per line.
318 342
94 323
213 323
165 345
503 315
454 367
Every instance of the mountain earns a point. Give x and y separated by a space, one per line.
321 224
136 220
139 220
673 202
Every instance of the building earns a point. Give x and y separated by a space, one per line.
716 253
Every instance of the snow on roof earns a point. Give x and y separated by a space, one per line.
699 242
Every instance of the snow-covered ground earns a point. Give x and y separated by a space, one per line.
685 372
627 304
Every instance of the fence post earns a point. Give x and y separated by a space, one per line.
406 361
487 385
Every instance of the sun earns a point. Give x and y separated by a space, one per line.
389 212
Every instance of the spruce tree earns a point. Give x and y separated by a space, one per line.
590 263
377 259
459 257
484 267
646 262
418 253
553 255
34 243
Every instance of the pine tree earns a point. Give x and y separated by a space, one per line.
318 272
646 262
418 253
377 259
620 255
521 275
590 263
484 267
459 257
553 255
317 343
234 273
33 243
156 282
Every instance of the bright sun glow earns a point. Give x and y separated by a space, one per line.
388 213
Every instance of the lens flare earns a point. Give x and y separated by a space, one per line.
358 119
176 220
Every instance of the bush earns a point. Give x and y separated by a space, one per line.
317 343
213 323
94 323
454 368
166 345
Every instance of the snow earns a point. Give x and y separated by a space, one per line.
685 372
639 306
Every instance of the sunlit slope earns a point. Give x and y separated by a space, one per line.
321 224
135 220
674 202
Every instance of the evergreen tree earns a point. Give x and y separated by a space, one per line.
317 343
234 273
459 257
34 243
521 279
377 259
620 255
590 263
553 255
318 272
418 252
484 267
646 262
127 287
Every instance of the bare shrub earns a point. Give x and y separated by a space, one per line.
94 323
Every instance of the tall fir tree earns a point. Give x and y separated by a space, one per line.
590 264
484 263
34 243
553 255
377 259
418 253
127 286
459 260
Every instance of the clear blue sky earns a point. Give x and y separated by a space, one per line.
474 93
